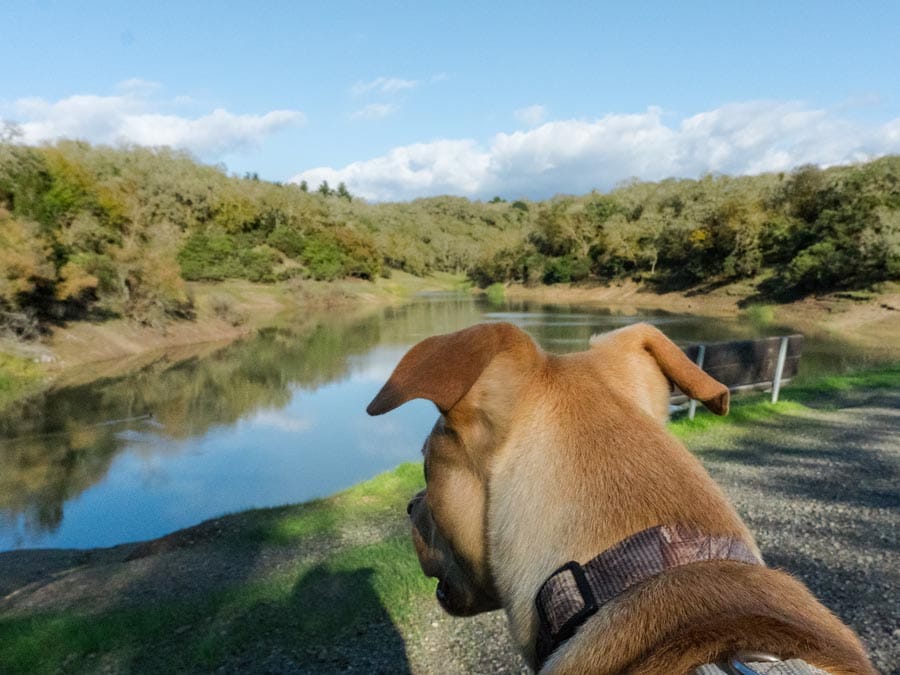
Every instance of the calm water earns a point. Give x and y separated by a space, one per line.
273 419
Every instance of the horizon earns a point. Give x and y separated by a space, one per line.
403 102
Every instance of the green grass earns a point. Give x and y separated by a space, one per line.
496 294
312 605
403 285
366 504
822 391
18 378
760 315
323 599
885 377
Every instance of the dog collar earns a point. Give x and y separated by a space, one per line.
574 592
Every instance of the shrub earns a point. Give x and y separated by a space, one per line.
287 240
223 307
324 259
257 264
496 294
566 269
208 255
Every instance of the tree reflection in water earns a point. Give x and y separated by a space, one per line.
56 447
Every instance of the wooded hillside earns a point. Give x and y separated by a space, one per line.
94 231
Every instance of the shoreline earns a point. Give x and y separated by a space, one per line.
869 319
227 311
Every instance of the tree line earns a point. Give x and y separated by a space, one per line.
98 231
808 231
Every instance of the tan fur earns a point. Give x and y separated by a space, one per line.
540 459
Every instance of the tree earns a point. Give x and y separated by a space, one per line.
324 190
10 132
304 186
343 193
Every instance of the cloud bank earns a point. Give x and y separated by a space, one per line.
575 156
132 116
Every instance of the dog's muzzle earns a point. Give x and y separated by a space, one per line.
414 501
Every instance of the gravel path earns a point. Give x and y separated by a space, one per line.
822 495
821 491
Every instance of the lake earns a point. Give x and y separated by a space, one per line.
272 419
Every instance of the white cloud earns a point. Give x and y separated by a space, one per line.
383 85
133 117
439 167
532 115
575 156
374 111
281 421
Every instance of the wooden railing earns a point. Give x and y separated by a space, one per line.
746 364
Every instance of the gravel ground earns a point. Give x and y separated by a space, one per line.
822 495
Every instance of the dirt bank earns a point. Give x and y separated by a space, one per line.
224 312
869 319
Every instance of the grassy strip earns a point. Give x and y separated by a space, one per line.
366 505
823 392
310 605
365 578
18 378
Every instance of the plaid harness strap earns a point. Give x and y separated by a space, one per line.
575 592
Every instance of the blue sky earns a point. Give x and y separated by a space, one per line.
409 99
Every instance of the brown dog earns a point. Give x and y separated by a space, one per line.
538 459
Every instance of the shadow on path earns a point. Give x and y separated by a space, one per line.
333 622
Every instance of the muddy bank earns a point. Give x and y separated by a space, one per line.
867 319
83 350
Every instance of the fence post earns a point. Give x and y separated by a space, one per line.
692 406
779 369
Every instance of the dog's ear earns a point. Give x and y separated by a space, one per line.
443 368
676 366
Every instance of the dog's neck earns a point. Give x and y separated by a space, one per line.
586 502
574 593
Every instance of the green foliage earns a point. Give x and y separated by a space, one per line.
324 259
343 193
287 240
209 254
99 231
17 377
812 231
565 269
496 294
257 264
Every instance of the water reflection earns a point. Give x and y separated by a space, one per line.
273 419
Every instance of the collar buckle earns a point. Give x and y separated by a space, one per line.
561 626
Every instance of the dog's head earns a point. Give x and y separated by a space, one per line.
477 377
